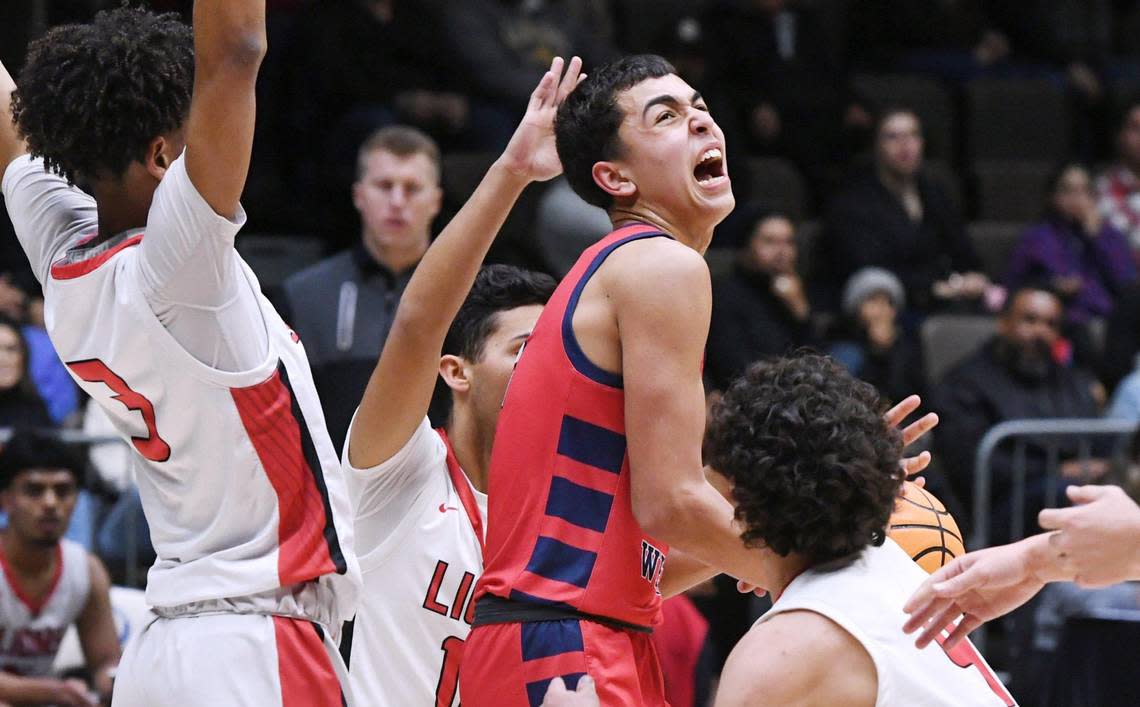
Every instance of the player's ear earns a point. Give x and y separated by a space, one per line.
161 153
453 370
611 179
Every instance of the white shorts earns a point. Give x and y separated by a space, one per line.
244 660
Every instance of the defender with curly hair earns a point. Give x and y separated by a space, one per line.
162 324
814 473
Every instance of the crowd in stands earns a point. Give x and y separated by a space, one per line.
902 168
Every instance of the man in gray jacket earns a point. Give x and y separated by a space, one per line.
342 307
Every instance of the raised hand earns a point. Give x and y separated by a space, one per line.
913 432
531 152
1098 538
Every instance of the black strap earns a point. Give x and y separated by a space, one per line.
491 609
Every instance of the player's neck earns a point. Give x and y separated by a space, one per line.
25 559
783 570
471 449
122 206
695 235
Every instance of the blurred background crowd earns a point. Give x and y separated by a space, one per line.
942 194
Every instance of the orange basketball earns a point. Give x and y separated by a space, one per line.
923 527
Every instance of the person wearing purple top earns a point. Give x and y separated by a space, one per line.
1083 258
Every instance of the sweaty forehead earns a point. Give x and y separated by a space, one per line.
634 99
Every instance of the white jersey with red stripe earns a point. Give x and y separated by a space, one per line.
419 532
866 599
240 484
31 631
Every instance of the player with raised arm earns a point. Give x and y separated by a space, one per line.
596 470
164 326
48 583
419 494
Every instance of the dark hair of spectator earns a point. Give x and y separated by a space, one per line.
586 126
1053 183
814 466
92 97
34 449
497 288
1125 110
401 141
26 388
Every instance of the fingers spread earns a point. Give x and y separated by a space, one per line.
918 428
913 465
900 412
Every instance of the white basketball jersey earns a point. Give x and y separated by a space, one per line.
240 484
420 554
866 599
30 632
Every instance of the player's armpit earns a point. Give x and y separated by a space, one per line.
683 572
798 658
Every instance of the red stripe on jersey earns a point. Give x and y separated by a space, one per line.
266 411
545 668
64 270
585 475
303 666
561 530
35 605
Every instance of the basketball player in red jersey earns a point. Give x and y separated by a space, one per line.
596 468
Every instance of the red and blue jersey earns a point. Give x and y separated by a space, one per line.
561 529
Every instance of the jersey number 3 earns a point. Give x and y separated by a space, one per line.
152 446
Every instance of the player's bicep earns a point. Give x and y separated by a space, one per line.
45 211
663 332
229 43
96 624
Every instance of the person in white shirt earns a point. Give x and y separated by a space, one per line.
164 326
419 494
813 473
48 583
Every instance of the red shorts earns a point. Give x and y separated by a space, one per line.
511 665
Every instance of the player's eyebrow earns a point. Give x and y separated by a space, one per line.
669 100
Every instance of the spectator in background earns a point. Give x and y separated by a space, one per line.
896 217
1014 376
1122 339
786 84
566 225
760 309
872 342
1118 188
1125 403
1084 258
342 307
20 402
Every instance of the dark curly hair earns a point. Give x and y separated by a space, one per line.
814 467
586 125
92 97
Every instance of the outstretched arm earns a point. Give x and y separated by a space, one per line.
11 146
229 44
399 392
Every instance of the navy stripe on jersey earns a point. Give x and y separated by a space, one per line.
314 462
591 445
544 639
581 506
560 562
517 595
570 344
536 691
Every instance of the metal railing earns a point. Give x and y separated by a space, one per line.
1047 434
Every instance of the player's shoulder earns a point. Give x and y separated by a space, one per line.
656 264
798 657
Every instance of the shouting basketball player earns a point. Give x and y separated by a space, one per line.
163 325
419 495
814 475
48 583
596 469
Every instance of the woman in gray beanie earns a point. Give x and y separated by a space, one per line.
870 339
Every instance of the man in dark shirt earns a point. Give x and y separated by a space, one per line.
1014 376
760 309
896 217
342 307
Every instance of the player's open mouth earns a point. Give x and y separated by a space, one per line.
710 171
